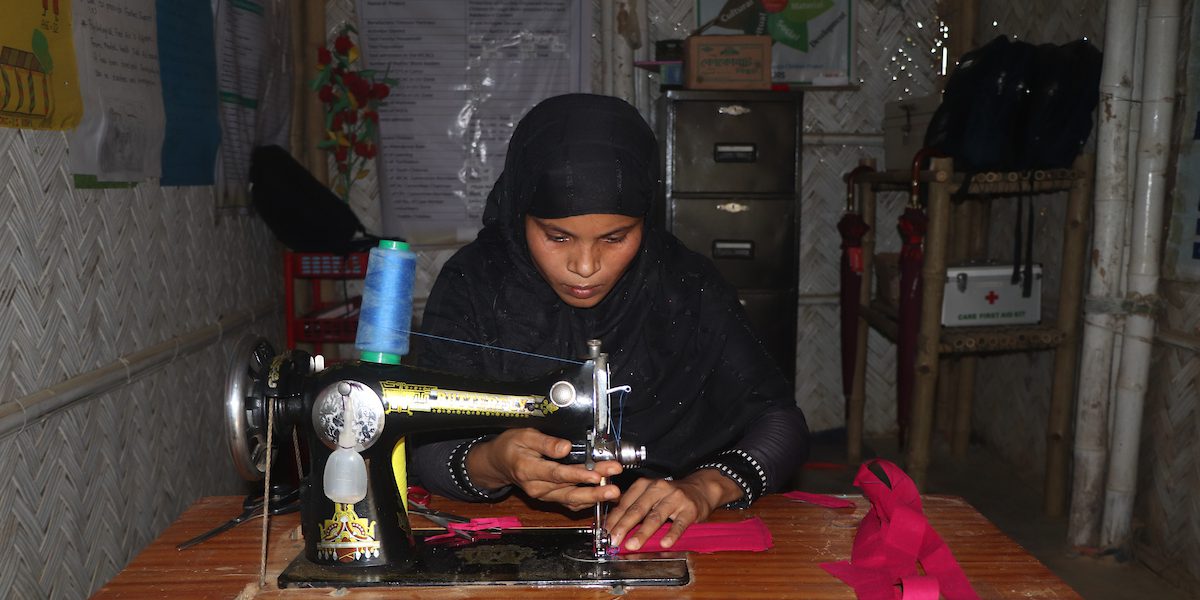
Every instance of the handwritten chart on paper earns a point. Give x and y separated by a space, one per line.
120 136
466 71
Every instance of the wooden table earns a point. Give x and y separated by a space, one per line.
805 536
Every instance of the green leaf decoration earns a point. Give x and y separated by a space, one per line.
788 32
41 49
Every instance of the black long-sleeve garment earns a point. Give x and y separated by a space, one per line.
702 383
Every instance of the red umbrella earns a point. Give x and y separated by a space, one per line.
912 226
853 228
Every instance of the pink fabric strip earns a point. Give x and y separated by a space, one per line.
491 523
891 539
749 535
819 500
480 528
919 587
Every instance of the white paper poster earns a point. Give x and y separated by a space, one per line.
466 71
120 135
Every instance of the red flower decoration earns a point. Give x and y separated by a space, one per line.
351 95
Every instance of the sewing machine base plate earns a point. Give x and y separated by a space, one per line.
531 556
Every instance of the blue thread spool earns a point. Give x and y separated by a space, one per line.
386 313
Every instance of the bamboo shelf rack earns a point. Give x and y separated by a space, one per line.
952 352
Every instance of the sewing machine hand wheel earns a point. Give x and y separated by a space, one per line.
246 407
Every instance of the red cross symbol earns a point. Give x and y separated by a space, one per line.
991 297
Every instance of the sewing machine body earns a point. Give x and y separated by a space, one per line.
371 542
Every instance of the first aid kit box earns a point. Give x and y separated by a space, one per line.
986 295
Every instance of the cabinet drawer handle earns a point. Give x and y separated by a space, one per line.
734 110
733 207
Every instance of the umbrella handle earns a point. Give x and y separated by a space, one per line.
914 197
849 179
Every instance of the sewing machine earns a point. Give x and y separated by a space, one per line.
369 541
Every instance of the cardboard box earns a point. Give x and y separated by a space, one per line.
727 62
904 125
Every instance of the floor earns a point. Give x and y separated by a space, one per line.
1013 504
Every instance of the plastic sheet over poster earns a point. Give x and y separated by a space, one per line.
814 41
466 71
120 136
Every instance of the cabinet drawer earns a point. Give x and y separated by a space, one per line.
752 242
732 146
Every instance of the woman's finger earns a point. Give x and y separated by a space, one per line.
679 524
638 508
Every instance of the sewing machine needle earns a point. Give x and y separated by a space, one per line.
600 545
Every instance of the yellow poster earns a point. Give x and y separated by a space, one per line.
39 85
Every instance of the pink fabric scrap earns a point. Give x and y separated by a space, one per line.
892 538
749 535
489 523
819 500
482 529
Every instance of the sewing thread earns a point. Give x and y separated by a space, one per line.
386 315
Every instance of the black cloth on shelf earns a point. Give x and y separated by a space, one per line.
674 330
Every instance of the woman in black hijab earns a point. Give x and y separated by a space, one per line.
571 251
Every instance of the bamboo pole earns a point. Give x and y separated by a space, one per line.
856 408
1069 293
1150 193
933 285
976 242
307 28
950 376
1114 131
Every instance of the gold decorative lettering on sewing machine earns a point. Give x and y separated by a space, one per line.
401 397
364 538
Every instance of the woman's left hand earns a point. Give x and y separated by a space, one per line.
649 503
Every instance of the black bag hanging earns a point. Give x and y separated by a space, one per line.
1064 88
1013 106
985 98
302 213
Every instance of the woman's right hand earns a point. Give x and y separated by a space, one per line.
524 457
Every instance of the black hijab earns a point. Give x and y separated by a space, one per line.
673 329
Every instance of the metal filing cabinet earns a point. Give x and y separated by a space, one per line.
732 193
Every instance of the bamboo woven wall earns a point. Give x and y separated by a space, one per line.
86 277
1168 503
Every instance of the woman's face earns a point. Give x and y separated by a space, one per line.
583 257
